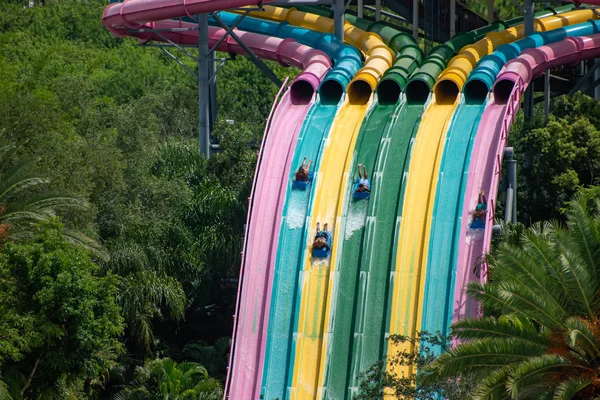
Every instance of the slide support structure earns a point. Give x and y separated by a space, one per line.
339 8
257 61
511 183
528 20
204 105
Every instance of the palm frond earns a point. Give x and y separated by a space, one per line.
581 283
493 386
567 389
484 355
521 270
584 231
90 245
529 374
509 327
11 188
582 338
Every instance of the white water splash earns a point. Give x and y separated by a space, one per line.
357 215
297 209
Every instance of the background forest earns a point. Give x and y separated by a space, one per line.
120 244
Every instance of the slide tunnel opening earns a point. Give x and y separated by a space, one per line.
446 92
331 92
301 92
502 91
475 91
388 92
417 92
359 93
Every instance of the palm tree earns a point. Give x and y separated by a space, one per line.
24 202
164 379
540 338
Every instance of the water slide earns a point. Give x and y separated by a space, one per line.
371 279
311 313
492 136
448 207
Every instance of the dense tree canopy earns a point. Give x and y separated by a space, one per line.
60 322
107 120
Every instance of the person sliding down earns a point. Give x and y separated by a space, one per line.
303 171
321 238
363 180
480 210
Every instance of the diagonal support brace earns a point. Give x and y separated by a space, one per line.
229 30
257 61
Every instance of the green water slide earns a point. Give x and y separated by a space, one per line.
359 325
374 137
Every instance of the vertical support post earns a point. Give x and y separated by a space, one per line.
360 8
338 18
528 106
452 18
377 10
511 181
546 94
415 18
203 86
213 93
596 78
490 11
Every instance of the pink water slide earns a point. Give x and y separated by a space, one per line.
142 19
131 14
488 150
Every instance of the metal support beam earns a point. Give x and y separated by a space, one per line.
510 214
452 27
529 16
546 95
204 107
228 32
582 84
415 18
167 52
212 86
490 11
596 79
257 61
360 8
339 8
377 10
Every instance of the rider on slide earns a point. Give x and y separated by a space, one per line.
321 238
363 180
303 171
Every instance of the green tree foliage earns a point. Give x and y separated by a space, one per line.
166 379
557 158
116 123
540 338
24 202
59 319
377 380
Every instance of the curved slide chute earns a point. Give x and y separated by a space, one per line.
492 136
407 307
310 314
347 59
452 176
346 352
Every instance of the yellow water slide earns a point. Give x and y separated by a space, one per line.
413 242
331 180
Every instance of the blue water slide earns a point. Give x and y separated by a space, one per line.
347 59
